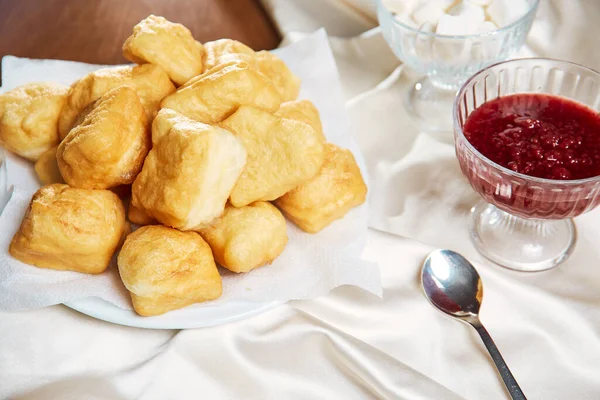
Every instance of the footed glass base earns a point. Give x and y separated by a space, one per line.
430 106
518 243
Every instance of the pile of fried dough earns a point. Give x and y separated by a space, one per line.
198 140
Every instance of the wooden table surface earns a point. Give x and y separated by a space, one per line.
93 31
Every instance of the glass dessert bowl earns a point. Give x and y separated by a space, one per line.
539 118
446 60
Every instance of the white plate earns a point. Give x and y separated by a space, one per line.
313 62
195 316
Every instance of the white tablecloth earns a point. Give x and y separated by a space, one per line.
349 344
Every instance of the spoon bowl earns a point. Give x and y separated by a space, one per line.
453 286
456 291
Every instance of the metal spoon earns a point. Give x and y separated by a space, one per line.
453 285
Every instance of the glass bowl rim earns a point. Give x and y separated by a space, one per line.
458 131
502 29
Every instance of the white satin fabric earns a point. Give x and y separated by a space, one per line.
350 344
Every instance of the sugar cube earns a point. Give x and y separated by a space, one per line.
399 7
430 10
423 42
471 12
486 26
505 12
452 51
427 27
453 25
406 19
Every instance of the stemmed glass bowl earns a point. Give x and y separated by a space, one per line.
525 223
447 61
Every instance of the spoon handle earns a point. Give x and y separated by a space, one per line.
509 380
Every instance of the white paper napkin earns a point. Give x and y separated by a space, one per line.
310 266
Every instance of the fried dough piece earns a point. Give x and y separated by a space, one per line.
46 168
189 173
108 148
224 50
216 94
29 117
165 269
246 238
287 84
70 229
171 46
282 154
303 111
337 188
150 82
138 216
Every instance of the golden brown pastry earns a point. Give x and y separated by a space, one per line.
337 189
70 229
189 173
245 238
108 148
224 50
150 82
275 69
29 118
303 111
282 154
139 217
84 113
165 269
166 44
46 168
216 94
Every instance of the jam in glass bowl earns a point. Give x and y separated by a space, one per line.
527 137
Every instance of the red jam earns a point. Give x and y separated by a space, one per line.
538 135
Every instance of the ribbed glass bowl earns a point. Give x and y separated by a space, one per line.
450 60
525 222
